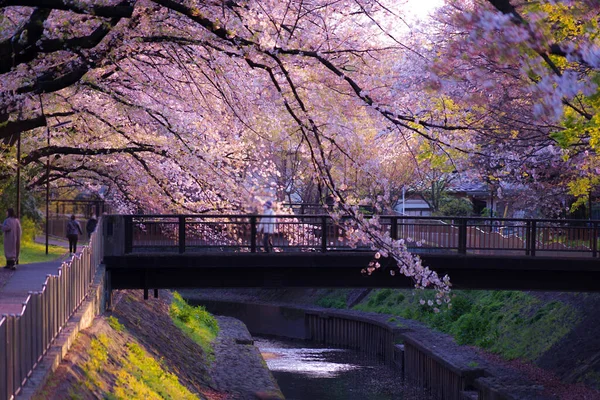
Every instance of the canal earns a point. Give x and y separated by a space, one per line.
305 370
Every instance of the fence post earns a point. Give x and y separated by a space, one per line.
4 358
253 234
181 234
128 233
10 356
394 228
532 236
324 234
595 239
462 236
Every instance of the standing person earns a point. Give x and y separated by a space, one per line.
267 226
90 227
73 232
12 238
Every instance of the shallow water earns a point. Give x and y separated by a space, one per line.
305 371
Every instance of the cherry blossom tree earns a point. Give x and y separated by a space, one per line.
207 105
528 72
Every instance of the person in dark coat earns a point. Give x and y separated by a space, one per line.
73 232
90 227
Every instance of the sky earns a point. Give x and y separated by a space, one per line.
421 8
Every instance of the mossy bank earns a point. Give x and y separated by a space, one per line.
530 326
154 349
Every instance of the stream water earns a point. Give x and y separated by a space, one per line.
305 371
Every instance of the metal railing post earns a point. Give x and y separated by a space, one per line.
462 236
128 233
394 228
324 234
595 240
253 234
531 234
527 238
181 234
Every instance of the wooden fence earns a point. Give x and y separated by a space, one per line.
26 337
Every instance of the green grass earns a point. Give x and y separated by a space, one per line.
196 322
510 323
32 252
333 299
144 378
36 252
139 375
115 324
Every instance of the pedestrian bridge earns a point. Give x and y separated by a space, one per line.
193 251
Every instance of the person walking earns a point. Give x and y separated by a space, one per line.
73 232
90 227
12 238
267 226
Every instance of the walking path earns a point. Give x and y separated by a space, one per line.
27 278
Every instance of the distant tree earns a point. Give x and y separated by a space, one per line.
455 206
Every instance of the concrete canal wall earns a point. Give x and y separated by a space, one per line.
422 357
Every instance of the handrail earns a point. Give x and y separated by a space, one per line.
438 218
461 235
26 337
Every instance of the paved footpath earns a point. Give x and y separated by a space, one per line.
27 278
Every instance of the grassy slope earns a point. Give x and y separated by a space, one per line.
114 360
512 324
196 322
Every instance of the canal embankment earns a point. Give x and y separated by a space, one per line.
138 351
421 356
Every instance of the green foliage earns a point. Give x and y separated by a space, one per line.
335 298
140 376
29 230
115 324
455 206
196 322
513 324
29 201
144 378
331 302
385 298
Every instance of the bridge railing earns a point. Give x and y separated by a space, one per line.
459 235
26 337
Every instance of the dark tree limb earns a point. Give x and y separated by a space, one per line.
21 47
65 150
124 9
82 42
11 128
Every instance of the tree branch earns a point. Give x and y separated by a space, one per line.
65 150
21 47
124 9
